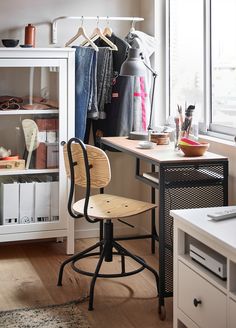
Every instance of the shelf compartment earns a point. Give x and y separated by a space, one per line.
147 181
205 273
194 175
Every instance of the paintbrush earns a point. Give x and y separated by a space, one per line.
180 111
188 119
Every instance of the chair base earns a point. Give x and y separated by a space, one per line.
106 254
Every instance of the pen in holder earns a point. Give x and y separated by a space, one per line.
186 126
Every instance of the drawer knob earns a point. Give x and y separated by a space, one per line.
196 302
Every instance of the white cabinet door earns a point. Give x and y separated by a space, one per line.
44 81
199 300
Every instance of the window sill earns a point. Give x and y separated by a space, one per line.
216 140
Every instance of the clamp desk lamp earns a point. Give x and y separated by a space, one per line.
134 65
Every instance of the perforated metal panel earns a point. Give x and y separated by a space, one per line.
188 187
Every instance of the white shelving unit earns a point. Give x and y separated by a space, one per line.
202 298
54 76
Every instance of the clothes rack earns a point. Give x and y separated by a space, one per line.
98 18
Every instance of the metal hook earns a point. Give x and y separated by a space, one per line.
108 21
82 20
133 24
97 20
132 29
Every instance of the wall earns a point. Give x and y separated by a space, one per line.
16 14
228 149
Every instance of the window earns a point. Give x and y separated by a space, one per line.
202 61
186 54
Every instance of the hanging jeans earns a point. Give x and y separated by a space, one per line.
85 87
104 79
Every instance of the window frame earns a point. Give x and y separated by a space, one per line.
209 128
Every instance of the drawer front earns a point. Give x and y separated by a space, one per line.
209 309
232 314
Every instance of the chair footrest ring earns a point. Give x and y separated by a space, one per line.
105 275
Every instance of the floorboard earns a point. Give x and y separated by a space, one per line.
29 271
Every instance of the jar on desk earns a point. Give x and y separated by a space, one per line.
160 138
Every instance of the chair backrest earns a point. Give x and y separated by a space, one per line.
100 171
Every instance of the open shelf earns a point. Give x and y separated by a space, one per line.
4 172
205 273
29 112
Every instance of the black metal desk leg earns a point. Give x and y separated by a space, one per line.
225 183
162 255
153 221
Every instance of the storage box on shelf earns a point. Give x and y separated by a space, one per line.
33 201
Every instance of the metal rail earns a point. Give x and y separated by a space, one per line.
97 18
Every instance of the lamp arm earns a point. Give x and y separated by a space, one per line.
151 70
148 67
154 74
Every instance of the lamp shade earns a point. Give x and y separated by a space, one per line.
133 65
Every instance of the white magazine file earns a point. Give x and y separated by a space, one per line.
9 201
54 200
27 201
42 201
33 199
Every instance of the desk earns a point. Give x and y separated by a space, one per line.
183 182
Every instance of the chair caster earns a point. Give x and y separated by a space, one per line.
162 312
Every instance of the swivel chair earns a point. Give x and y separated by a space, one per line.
88 166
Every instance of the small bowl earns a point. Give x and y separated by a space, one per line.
194 150
26 45
145 144
10 43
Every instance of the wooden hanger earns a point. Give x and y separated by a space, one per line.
81 32
107 30
97 33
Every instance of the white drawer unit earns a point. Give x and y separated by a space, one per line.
202 298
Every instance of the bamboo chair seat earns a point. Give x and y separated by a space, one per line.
104 206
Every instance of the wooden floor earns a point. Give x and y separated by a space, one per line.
28 277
